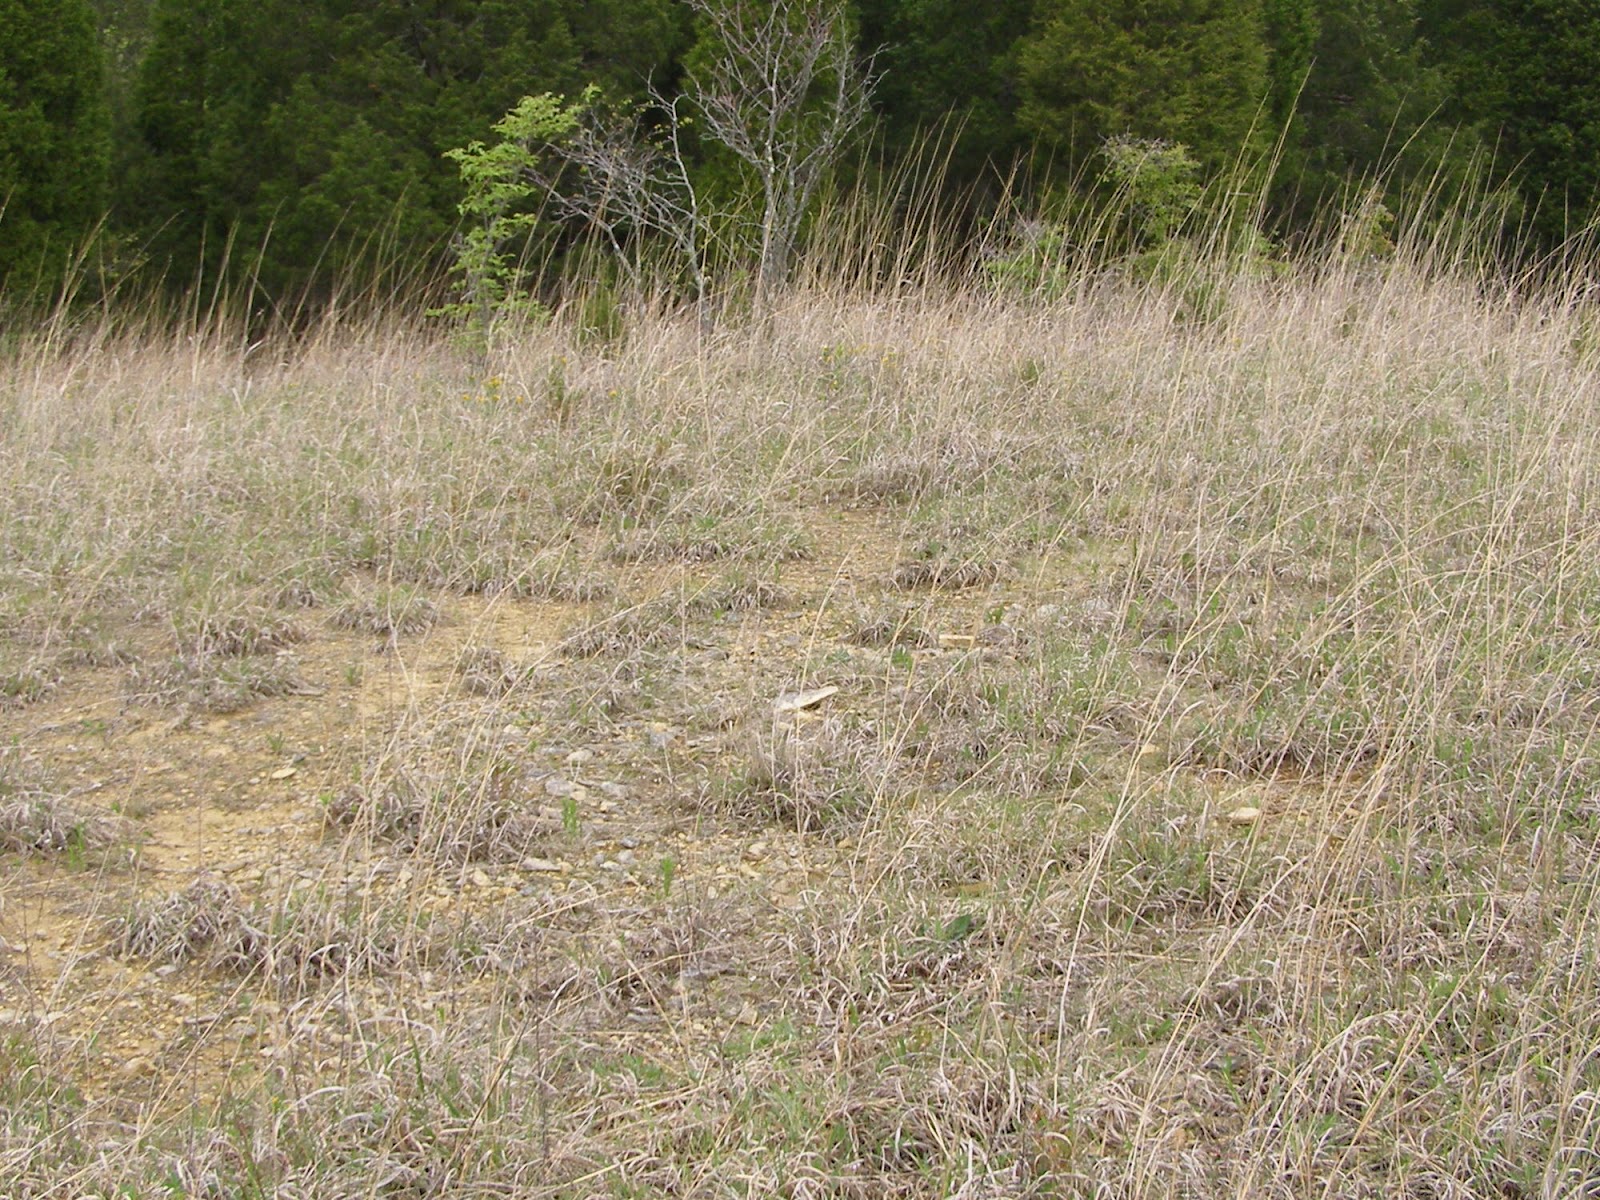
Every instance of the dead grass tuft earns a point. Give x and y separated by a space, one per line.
309 936
213 685
814 775
453 814
27 684
485 671
33 820
629 629
235 634
388 612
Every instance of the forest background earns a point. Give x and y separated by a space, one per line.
298 145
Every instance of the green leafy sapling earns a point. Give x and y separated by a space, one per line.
500 178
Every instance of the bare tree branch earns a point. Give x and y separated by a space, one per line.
783 92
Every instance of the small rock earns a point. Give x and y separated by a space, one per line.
558 786
578 757
480 878
629 843
1244 815
627 858
283 773
795 701
540 864
756 849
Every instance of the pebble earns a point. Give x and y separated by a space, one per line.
578 757
135 1067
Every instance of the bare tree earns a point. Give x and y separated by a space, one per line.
783 91
627 183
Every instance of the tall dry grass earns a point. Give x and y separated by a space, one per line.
1251 850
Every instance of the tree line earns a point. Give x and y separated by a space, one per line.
296 142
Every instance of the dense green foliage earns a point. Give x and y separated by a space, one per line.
1526 70
298 142
316 133
53 135
1190 71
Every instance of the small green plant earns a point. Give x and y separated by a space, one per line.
1159 183
668 870
489 262
569 816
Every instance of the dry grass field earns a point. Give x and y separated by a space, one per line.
937 744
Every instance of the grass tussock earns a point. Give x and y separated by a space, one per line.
1206 808
465 815
204 684
35 818
306 938
388 612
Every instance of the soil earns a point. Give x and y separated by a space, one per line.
242 799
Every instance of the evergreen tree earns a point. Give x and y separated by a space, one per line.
208 79
1525 71
1354 89
312 132
53 136
944 60
1189 71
